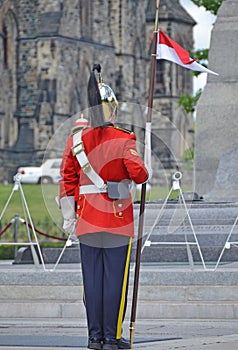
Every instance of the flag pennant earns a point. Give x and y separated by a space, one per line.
169 50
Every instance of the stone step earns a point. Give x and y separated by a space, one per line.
42 309
74 294
199 230
212 223
188 310
204 239
201 214
157 252
146 310
178 254
174 293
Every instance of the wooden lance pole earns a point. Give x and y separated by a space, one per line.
143 190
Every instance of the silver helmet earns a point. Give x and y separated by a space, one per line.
101 98
109 101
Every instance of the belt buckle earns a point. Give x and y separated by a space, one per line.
77 148
86 168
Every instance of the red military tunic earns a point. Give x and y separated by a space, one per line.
112 154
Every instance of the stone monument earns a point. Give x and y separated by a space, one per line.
216 141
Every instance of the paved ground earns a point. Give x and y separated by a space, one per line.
39 334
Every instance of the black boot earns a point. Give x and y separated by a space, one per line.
94 343
110 345
123 343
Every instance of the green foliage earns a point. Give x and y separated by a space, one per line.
7 252
188 155
157 193
188 158
189 102
201 55
210 5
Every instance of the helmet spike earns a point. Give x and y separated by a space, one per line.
97 67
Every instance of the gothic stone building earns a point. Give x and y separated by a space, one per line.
47 49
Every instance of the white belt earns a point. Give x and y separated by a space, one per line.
87 189
78 151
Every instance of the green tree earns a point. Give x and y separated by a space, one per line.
209 5
189 102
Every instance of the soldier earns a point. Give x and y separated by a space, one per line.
97 168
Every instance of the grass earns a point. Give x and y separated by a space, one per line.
40 201
34 198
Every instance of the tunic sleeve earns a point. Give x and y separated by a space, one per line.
68 172
133 162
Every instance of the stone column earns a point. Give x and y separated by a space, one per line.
216 141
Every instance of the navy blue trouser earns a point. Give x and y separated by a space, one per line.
105 261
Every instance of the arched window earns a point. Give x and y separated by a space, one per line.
86 19
9 40
159 78
5 46
9 78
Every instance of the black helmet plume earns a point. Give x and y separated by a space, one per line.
94 98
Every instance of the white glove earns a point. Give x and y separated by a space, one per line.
150 172
69 226
68 211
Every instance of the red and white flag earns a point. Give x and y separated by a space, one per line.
169 50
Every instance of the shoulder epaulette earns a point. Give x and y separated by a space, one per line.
124 130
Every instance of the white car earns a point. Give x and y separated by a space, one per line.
47 173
